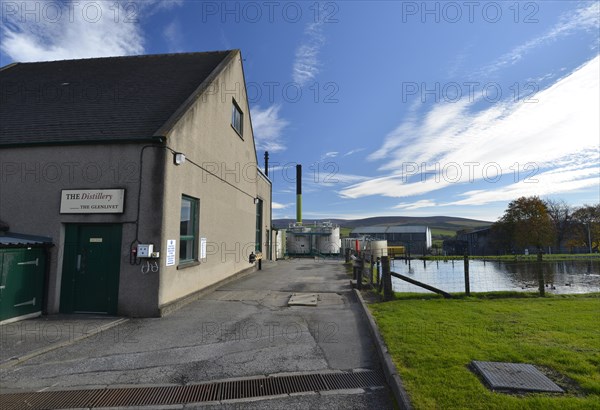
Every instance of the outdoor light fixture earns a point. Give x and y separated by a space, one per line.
255 201
179 158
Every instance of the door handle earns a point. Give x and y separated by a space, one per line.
78 263
35 262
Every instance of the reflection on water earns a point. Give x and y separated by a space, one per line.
560 276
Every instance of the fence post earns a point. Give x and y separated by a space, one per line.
540 273
347 255
359 275
386 278
467 282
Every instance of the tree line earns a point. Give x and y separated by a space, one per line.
542 223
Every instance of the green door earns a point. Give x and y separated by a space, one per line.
92 259
21 281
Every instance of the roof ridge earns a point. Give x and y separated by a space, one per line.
117 98
194 95
123 57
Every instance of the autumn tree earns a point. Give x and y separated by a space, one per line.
561 215
588 217
527 222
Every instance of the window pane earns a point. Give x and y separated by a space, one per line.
236 118
186 250
259 212
186 226
188 229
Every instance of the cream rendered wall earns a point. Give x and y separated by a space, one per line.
227 215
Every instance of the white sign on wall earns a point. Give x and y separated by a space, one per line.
202 248
92 201
171 249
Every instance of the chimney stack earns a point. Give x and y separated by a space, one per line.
267 163
299 194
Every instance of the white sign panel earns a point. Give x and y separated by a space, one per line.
202 248
92 201
171 248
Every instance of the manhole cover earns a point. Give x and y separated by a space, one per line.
515 377
303 299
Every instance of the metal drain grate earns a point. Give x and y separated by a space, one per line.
193 393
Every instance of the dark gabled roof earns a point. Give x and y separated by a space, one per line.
100 99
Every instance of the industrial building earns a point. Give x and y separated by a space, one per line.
142 172
315 239
415 239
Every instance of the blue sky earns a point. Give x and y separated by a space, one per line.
393 108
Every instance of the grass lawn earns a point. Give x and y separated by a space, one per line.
432 342
439 232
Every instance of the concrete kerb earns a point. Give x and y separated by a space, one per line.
389 368
16 360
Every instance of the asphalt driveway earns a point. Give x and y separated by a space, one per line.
243 329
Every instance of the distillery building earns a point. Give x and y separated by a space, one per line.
140 171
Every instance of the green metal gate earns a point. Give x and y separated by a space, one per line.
21 281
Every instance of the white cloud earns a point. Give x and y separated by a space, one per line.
268 127
75 29
159 5
558 133
331 154
277 205
174 36
353 151
425 203
584 17
330 176
547 183
306 64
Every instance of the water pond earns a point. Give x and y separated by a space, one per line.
576 276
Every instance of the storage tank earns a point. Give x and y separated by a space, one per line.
281 245
298 244
330 244
378 248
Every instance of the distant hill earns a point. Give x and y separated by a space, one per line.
441 226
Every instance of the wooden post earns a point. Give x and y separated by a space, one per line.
467 282
540 273
347 255
386 278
